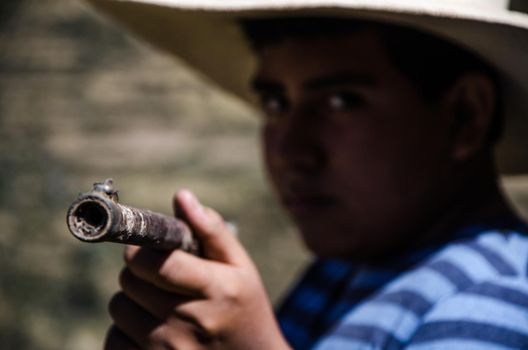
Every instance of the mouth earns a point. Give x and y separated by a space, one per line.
309 204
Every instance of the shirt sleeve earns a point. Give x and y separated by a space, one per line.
491 315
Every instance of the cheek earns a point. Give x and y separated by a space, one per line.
387 159
270 149
268 140
410 138
408 129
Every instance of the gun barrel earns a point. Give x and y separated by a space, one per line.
96 217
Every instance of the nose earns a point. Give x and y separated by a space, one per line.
297 147
301 159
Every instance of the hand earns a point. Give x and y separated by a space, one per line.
174 300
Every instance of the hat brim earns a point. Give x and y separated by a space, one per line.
208 37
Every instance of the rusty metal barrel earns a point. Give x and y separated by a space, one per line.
97 216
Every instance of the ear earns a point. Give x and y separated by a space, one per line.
471 105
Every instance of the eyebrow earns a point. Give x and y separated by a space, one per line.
264 85
338 79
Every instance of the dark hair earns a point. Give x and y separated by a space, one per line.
431 63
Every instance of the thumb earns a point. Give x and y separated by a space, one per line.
217 240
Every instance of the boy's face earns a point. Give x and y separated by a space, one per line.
359 159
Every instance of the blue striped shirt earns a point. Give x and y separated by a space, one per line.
471 293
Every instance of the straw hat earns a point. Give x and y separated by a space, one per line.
206 35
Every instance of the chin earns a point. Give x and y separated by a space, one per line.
328 248
332 247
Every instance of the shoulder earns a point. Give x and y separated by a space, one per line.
462 264
487 305
470 287
491 314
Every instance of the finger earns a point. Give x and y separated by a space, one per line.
116 340
150 333
159 303
175 271
135 323
217 241
166 306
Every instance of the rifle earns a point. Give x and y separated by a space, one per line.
97 216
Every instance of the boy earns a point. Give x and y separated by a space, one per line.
379 138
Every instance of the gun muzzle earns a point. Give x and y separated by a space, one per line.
97 216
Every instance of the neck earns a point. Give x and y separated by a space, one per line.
477 200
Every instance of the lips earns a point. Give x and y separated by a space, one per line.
303 204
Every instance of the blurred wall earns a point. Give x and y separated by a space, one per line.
79 102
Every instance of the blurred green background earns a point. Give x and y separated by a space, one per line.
81 101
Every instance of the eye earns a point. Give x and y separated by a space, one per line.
343 101
273 105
